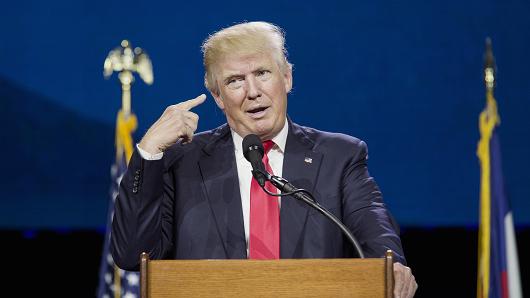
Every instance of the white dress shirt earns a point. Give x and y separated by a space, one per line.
244 169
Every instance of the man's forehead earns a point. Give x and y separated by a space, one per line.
240 64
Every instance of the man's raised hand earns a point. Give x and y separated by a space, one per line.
177 122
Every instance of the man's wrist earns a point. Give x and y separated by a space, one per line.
147 155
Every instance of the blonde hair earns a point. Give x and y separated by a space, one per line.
243 39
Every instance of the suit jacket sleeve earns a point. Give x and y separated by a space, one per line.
364 211
143 218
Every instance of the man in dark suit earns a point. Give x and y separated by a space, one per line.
187 196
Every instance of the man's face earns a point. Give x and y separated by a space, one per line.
253 94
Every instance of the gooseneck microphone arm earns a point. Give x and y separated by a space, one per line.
253 152
287 189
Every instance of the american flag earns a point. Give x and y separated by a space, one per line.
115 282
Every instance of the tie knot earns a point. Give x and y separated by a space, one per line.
267 145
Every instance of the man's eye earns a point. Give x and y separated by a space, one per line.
234 83
263 75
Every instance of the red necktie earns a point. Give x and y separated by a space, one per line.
264 242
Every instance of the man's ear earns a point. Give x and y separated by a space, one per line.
218 100
217 97
288 79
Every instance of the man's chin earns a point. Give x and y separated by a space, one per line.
263 128
265 131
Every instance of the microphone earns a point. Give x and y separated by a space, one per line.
253 152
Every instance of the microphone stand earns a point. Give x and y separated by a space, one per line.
287 189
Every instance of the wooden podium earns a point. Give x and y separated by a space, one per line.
274 278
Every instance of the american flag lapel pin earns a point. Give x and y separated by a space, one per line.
308 160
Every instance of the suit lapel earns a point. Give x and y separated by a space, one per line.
300 167
221 185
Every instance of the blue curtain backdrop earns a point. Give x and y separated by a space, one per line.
406 77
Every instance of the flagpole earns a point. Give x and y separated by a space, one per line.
126 62
487 121
498 265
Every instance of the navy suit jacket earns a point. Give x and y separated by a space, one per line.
188 205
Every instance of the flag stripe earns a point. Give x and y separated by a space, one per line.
499 209
514 278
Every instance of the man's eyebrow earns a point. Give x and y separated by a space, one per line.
261 68
232 76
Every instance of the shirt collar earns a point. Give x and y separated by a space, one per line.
279 140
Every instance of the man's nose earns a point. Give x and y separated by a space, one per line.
253 88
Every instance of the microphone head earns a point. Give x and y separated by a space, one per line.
252 144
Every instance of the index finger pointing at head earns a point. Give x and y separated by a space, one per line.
189 104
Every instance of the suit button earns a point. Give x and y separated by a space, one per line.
135 189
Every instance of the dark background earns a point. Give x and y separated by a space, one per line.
406 77
66 263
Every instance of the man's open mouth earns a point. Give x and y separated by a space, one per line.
257 110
